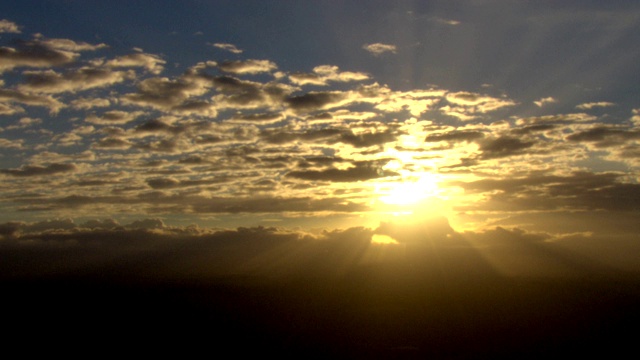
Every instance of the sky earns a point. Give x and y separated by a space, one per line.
190 139
207 116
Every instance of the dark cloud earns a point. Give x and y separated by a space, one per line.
315 101
13 96
81 79
361 171
195 203
35 170
278 136
33 54
259 118
503 147
163 145
579 191
525 130
113 117
247 66
367 139
171 183
156 125
258 204
580 181
172 95
208 139
604 136
112 143
94 183
455 136
232 85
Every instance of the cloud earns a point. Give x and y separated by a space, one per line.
77 80
366 139
544 101
503 146
379 48
33 55
277 136
556 119
171 183
361 171
605 136
228 47
324 73
591 105
333 73
157 126
112 143
316 101
468 106
89 103
15 96
23 123
635 118
8 109
41 52
455 136
448 21
307 79
415 102
166 94
152 63
478 102
113 117
69 45
11 144
35 170
577 191
247 66
262 118
7 26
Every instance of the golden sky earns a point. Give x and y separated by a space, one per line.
338 118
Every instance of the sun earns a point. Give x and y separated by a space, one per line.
408 192
411 194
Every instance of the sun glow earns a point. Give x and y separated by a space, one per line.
408 192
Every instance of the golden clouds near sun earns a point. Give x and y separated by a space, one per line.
383 240
408 192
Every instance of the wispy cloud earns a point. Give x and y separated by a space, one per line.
228 47
544 101
591 105
379 48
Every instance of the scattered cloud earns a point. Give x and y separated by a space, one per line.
379 48
591 105
447 21
323 74
35 170
545 101
49 81
228 47
7 26
113 117
247 66
152 63
126 136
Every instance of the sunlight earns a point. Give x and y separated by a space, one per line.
408 193
383 240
